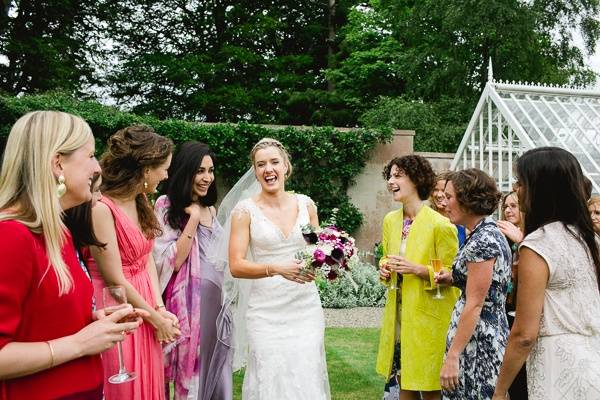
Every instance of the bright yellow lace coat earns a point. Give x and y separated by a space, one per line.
424 320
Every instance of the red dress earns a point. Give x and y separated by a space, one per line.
142 353
32 311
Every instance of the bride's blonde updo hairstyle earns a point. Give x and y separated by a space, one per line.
270 142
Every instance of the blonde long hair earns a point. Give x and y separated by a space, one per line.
28 185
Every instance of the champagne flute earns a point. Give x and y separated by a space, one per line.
393 278
436 264
394 275
393 281
115 299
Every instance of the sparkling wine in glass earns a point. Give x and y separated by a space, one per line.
393 280
394 275
115 299
436 263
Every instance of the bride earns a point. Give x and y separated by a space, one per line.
284 319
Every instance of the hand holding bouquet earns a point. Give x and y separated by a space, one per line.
328 252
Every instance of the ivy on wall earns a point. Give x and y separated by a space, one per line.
325 160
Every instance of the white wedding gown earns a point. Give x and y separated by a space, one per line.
284 319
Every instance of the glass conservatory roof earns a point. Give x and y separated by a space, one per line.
514 117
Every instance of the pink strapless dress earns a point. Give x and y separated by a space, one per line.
141 351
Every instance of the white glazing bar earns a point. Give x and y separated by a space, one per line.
595 112
510 156
524 139
546 121
589 121
489 141
592 107
464 143
526 114
473 148
546 90
564 145
481 141
575 139
500 155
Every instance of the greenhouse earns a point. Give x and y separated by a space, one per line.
512 117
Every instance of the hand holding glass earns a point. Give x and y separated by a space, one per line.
436 264
114 299
393 276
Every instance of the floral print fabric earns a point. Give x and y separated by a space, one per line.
480 361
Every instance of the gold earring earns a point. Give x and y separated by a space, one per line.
145 185
61 188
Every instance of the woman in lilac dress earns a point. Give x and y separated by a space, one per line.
199 366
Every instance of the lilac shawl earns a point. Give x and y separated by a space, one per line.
181 292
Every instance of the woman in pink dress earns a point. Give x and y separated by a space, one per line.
135 162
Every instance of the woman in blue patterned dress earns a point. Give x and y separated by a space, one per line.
478 329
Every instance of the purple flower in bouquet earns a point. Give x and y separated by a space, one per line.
328 252
319 257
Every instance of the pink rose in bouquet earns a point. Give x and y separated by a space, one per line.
328 252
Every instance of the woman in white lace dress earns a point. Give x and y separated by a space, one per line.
284 318
557 322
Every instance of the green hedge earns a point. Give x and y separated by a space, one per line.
325 160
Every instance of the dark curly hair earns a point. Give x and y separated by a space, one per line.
475 191
182 173
129 152
418 170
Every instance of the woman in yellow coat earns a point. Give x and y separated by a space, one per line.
412 236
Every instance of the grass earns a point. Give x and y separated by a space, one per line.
351 354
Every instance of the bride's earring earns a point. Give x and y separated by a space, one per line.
145 185
61 188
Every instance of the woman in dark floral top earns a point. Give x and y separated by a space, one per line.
478 329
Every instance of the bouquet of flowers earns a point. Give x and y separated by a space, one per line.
328 252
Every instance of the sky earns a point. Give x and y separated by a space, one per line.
592 60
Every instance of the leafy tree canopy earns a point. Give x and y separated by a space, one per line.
294 62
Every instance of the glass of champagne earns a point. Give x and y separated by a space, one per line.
394 275
114 299
436 264
393 281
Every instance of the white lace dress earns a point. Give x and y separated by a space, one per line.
565 362
284 320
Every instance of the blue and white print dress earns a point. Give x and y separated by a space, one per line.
480 361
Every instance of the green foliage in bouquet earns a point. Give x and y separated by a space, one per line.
326 160
363 290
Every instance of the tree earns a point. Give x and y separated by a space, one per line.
421 60
429 49
218 60
47 45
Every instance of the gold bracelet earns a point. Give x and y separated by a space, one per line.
268 274
51 353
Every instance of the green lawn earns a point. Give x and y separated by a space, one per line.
351 355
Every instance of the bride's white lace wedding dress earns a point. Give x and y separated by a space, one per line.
284 319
